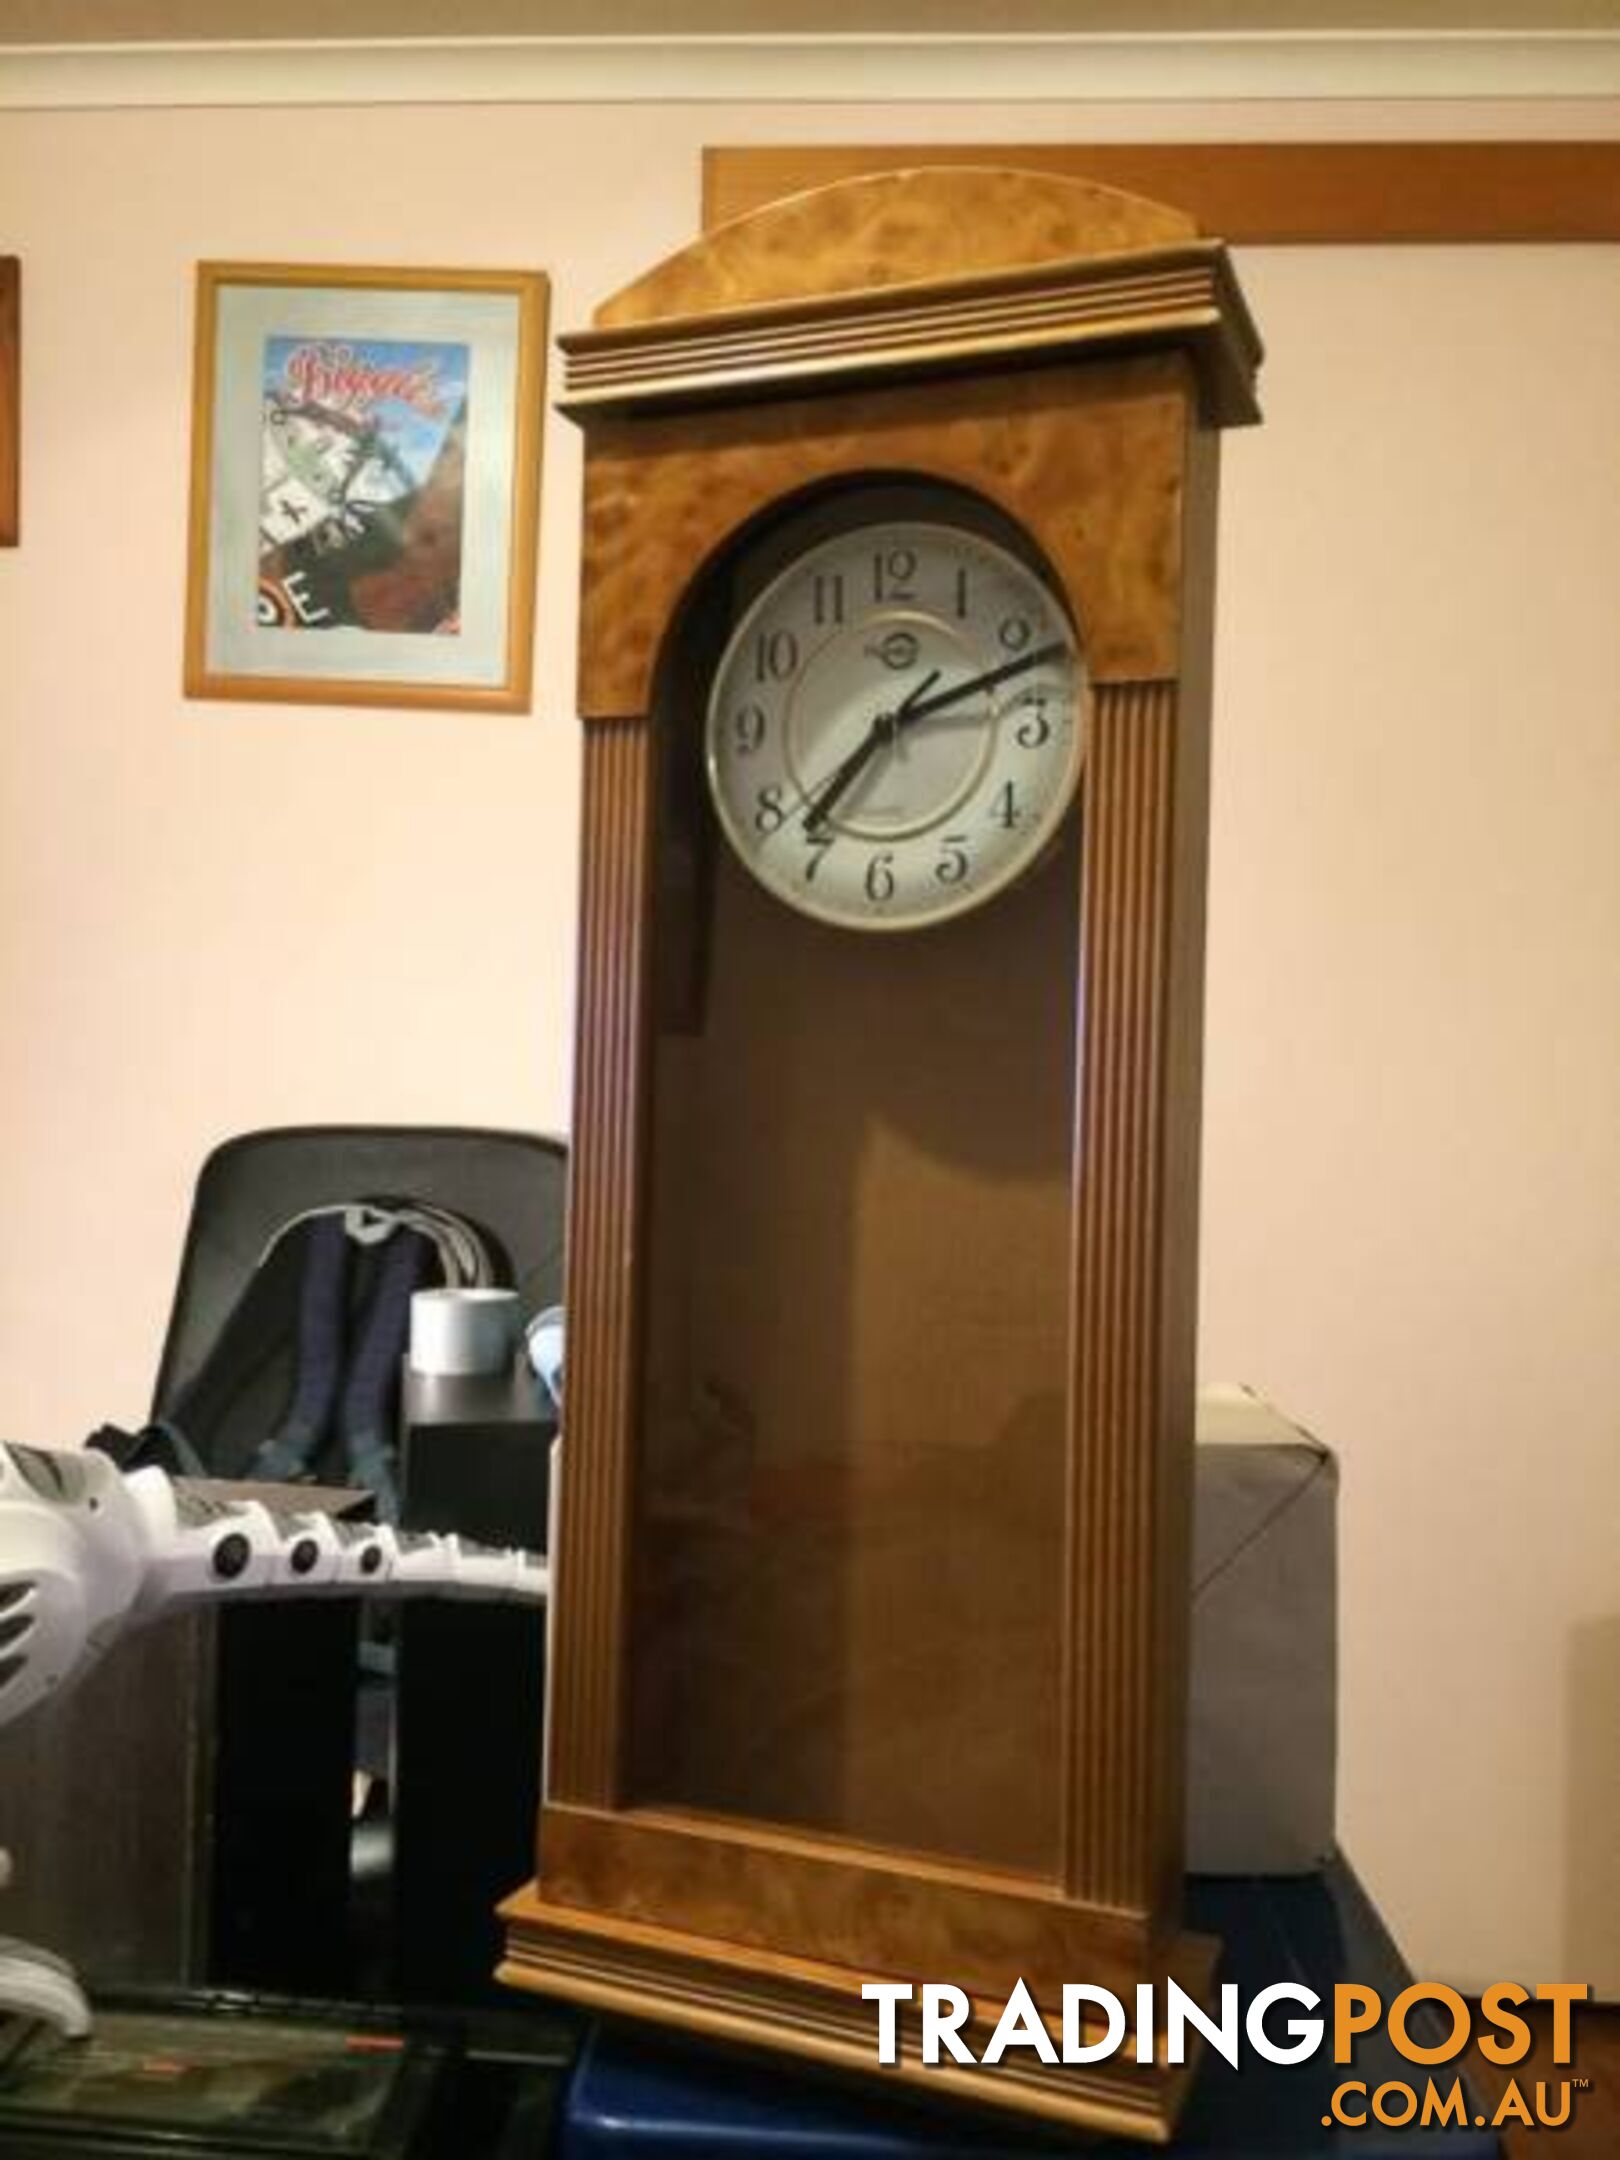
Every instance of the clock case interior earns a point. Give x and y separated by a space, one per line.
849 1522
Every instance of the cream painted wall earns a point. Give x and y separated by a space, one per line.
1412 1189
214 917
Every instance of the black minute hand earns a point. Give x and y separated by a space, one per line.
917 707
924 708
843 776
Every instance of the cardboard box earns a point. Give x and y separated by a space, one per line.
1263 1717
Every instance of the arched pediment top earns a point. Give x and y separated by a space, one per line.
935 223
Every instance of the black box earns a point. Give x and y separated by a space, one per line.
475 1458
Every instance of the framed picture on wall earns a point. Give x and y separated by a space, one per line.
365 468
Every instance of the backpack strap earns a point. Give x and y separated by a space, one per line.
293 1447
159 1443
241 1360
365 1419
466 1257
294 1313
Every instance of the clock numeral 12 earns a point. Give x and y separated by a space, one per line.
892 572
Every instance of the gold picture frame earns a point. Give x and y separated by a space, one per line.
365 482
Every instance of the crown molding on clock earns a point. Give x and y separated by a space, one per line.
858 68
1184 295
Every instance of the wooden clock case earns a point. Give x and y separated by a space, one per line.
869 1651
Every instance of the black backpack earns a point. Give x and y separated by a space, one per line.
302 1380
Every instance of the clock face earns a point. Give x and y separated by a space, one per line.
895 726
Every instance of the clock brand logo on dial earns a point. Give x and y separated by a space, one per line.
898 650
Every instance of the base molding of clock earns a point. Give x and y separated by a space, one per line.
814 2011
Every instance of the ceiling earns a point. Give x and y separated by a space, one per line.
77 22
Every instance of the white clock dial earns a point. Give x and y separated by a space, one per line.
895 726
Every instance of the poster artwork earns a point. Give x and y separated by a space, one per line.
362 492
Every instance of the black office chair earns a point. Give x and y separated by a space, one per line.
206 1770
445 1847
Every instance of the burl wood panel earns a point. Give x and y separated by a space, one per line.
1087 458
1255 194
10 398
878 232
872 1910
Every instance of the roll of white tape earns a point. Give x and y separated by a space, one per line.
463 1331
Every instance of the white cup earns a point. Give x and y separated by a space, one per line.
463 1331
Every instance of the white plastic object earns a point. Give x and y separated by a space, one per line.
88 1553
545 1339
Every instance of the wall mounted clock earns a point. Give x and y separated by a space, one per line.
895 726
870 1636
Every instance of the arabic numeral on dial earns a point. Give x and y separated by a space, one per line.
961 592
769 813
748 729
1005 808
952 866
893 570
880 877
776 655
818 844
1034 729
827 597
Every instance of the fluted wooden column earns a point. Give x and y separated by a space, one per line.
588 1667
1129 1416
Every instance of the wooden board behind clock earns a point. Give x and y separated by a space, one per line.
10 397
870 1638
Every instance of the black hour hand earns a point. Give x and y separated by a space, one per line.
844 775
